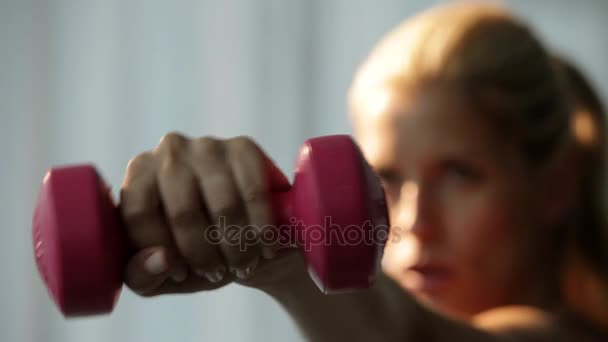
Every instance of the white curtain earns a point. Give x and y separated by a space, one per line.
99 81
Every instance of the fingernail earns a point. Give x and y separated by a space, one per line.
179 274
215 276
244 273
156 263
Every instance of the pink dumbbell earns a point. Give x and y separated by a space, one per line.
81 248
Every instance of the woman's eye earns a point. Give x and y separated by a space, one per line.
462 171
391 183
388 177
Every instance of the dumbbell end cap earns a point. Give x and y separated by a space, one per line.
342 207
77 241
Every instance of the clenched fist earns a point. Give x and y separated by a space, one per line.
176 201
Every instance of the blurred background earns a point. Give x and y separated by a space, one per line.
99 81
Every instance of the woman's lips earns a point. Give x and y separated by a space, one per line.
431 278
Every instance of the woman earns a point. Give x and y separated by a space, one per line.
466 119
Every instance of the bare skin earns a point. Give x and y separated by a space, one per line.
458 195
460 201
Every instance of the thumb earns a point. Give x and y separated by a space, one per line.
149 268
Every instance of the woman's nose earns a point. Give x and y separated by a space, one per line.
413 213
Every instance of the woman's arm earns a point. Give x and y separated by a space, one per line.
382 313
387 313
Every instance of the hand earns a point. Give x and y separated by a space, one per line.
176 201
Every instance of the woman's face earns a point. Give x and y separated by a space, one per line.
459 200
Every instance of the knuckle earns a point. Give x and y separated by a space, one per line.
208 147
171 143
140 162
242 145
169 165
173 137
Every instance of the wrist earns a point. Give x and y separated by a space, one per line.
281 275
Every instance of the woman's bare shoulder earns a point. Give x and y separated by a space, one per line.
525 323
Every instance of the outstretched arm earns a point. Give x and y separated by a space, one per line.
387 313
382 313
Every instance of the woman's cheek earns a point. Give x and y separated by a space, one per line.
484 237
401 251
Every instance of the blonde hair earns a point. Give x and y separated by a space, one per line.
502 69
585 277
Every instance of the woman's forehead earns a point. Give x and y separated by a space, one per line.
427 122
